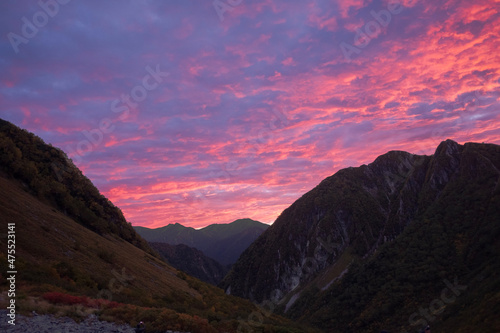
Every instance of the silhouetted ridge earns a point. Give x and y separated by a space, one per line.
222 242
47 173
370 245
191 261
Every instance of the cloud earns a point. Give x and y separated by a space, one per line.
256 109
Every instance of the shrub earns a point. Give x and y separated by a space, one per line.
60 298
65 299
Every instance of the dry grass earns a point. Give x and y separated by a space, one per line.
56 254
46 237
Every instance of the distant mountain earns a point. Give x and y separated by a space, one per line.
400 243
76 255
222 242
192 261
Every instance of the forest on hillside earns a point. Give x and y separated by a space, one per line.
51 176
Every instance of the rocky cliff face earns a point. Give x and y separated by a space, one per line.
349 215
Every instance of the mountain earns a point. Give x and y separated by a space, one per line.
222 242
192 262
75 255
47 173
400 243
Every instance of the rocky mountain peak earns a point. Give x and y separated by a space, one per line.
348 215
448 147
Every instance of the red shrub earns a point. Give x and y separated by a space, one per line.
60 298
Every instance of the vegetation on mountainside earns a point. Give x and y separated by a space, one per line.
48 174
454 241
349 209
410 224
71 264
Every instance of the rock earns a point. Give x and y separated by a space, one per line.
51 324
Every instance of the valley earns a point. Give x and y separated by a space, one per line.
398 244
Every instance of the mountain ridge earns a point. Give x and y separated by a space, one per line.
370 248
317 243
222 242
76 255
49 174
192 261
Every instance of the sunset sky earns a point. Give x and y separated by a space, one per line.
200 112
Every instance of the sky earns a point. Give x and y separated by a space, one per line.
201 112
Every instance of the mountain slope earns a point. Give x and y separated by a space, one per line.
191 261
91 260
48 174
56 254
352 210
222 242
370 246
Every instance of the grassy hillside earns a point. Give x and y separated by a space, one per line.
47 173
90 260
56 254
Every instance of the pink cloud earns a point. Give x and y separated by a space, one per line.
256 109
